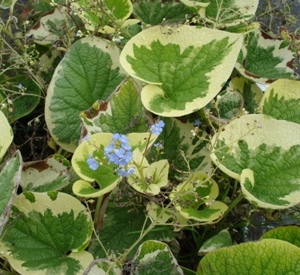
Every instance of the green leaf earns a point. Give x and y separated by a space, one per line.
251 93
88 72
229 104
123 113
268 256
289 234
183 151
155 12
155 257
106 267
10 177
148 179
96 18
49 27
222 239
225 13
141 141
282 100
120 9
195 198
177 64
104 175
45 175
25 103
262 59
48 236
5 4
122 227
264 154
6 135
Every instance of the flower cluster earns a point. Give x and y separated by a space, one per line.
157 127
119 152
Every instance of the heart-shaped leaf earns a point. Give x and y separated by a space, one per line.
48 233
105 172
289 234
195 198
88 72
268 256
222 239
264 154
282 100
154 257
149 178
263 60
183 66
156 12
45 175
23 104
123 112
111 11
224 13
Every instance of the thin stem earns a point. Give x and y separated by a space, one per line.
95 233
100 217
142 235
97 210
233 204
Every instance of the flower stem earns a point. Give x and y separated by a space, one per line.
233 204
100 211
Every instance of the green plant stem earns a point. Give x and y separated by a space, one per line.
97 211
233 204
235 186
100 211
150 227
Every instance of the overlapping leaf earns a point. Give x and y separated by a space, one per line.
282 100
45 175
183 66
155 12
88 72
288 233
195 198
122 113
226 12
268 256
155 257
263 60
48 233
264 154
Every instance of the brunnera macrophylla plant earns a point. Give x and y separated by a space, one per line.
162 129
102 159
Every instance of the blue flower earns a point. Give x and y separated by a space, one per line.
125 172
122 139
197 122
118 151
92 163
158 145
157 127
